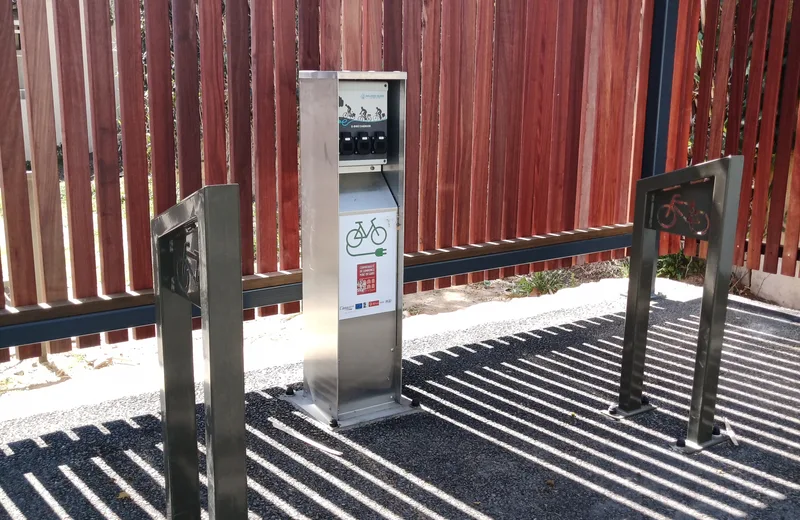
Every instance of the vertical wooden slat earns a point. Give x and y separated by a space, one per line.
264 143
75 148
588 125
466 95
783 152
213 92
766 140
531 159
503 181
134 149
512 99
641 97
706 81
448 125
371 29
351 34
429 128
751 116
309 33
792 235
627 170
13 180
553 104
721 79
159 97
561 113
187 101
286 103
573 127
536 124
240 171
607 156
481 125
41 118
736 102
412 64
104 144
330 34
392 34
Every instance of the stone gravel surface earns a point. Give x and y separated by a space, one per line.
511 427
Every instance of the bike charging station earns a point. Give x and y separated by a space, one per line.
197 263
352 166
699 202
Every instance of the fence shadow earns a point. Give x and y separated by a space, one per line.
511 428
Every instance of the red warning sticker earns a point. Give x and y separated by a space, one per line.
366 278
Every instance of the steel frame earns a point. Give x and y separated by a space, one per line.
213 214
727 176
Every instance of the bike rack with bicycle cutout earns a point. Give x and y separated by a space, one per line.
197 261
700 202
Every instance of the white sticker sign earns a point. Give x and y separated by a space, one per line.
367 264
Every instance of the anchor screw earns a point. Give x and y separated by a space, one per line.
681 443
333 423
415 403
715 430
645 400
612 410
289 390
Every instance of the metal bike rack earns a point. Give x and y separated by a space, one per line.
197 261
700 202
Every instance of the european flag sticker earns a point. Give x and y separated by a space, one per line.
359 305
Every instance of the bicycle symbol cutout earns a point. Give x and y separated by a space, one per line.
355 238
668 214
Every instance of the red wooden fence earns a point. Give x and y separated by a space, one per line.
523 118
748 93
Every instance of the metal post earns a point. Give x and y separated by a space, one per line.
659 95
659 87
179 430
208 276
715 304
644 253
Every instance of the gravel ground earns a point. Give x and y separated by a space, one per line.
512 427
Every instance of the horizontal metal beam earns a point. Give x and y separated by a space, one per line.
419 266
453 267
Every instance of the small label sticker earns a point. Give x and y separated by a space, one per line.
366 278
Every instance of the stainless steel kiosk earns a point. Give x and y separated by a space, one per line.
197 261
700 202
352 130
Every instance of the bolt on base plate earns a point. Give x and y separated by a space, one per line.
690 447
616 413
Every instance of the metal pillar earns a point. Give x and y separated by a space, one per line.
706 198
659 97
197 260
659 87
352 211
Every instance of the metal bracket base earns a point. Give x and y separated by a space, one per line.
305 404
614 412
692 447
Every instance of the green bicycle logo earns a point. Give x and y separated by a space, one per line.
355 238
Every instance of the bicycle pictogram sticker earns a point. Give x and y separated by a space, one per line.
355 239
696 219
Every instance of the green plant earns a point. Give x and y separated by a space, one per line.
523 286
678 266
672 266
544 282
624 267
